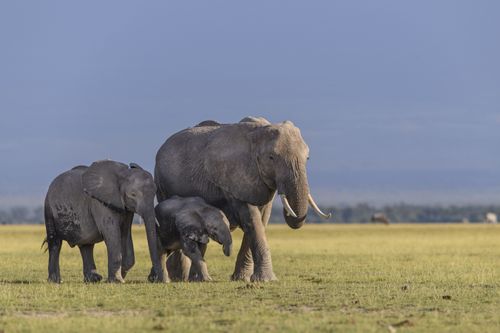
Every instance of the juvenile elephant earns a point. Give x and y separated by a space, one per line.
87 205
239 168
187 224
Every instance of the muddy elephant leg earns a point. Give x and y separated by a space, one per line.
128 259
54 246
112 238
89 270
251 223
178 266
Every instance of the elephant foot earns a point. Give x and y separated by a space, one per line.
54 279
263 277
241 276
92 277
154 278
115 280
199 278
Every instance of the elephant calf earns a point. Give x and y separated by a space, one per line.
87 205
187 224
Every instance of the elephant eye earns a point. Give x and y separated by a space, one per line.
271 157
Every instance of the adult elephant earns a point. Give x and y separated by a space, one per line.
239 168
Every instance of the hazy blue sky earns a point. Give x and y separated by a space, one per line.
398 100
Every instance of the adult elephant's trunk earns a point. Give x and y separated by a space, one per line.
151 233
294 197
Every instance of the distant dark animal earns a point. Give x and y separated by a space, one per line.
380 218
87 205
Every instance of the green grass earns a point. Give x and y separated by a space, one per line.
359 278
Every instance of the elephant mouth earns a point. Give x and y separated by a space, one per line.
291 214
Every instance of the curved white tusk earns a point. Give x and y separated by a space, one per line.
316 208
286 205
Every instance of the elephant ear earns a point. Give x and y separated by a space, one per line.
230 164
189 226
102 182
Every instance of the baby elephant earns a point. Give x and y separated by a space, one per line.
187 224
87 205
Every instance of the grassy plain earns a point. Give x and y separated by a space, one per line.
341 278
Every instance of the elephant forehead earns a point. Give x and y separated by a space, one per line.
141 177
290 141
143 182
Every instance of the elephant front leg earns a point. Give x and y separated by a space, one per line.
89 270
199 270
243 269
163 261
112 238
244 262
251 222
128 259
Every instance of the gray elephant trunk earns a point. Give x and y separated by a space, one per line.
296 193
227 248
224 238
152 237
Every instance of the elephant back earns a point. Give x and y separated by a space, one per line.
213 162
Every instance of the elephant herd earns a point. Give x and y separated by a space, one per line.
208 180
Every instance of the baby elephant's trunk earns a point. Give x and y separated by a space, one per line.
227 248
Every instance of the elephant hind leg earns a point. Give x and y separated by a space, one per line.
54 245
89 269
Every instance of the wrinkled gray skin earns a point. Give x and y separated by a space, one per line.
238 168
187 224
87 205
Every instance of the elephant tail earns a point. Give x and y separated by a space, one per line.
43 244
160 193
51 238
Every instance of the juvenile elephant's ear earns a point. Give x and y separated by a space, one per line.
230 164
189 226
102 182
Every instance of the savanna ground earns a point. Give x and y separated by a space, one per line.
344 278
